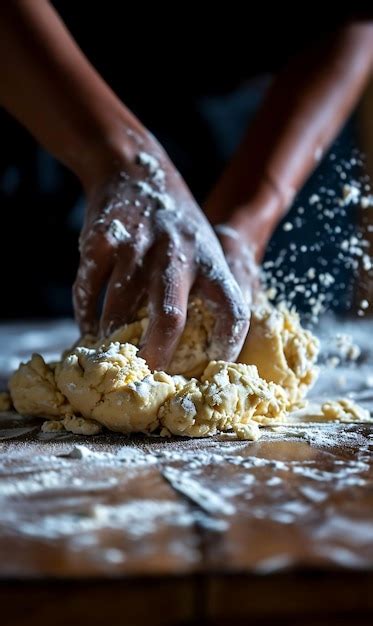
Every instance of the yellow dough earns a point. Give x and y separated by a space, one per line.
190 358
34 391
114 387
228 396
73 424
344 410
282 350
107 384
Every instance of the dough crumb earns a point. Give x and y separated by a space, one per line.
345 410
249 432
81 426
52 426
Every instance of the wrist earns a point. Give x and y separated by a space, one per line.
257 218
114 150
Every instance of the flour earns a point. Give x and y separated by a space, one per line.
163 200
200 492
274 564
118 231
31 485
151 164
283 279
314 199
206 499
82 452
345 347
288 226
367 201
138 518
228 231
324 436
351 194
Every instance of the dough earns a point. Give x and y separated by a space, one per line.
34 391
52 426
115 387
282 350
73 424
107 383
228 396
190 358
344 410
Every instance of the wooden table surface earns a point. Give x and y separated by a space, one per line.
110 530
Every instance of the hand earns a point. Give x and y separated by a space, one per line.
240 256
146 240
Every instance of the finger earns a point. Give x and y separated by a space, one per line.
232 316
95 265
241 261
245 274
168 301
124 292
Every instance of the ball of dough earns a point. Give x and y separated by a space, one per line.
34 390
115 387
283 351
106 383
228 395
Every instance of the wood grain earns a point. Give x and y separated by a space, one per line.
296 542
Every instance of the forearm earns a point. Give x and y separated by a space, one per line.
48 84
302 112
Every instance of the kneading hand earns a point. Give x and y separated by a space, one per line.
146 241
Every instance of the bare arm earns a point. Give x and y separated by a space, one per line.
303 111
51 88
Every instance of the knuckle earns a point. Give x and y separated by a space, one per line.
96 241
238 311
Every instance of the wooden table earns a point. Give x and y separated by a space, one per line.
112 530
